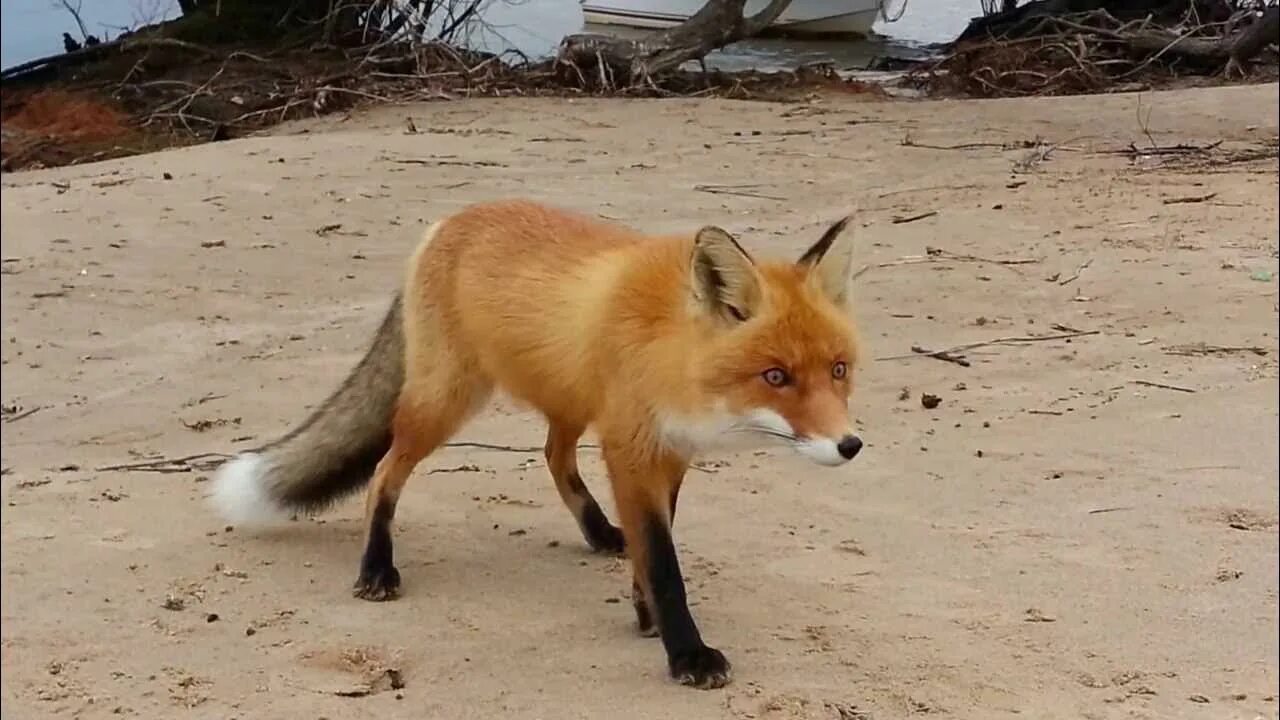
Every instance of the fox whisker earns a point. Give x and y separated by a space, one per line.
762 430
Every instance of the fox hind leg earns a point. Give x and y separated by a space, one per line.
562 460
430 411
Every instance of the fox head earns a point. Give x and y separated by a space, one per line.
780 348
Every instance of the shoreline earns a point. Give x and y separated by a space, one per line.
149 91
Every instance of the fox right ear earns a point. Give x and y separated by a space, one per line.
724 276
830 261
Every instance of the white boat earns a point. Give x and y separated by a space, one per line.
802 17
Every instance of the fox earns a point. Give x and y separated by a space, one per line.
665 346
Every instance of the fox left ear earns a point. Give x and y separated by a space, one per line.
830 261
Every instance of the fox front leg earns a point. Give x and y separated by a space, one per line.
644 493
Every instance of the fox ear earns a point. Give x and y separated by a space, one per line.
830 261
725 283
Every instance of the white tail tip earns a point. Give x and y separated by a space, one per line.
240 492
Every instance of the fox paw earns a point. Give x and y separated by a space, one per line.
702 667
599 533
606 538
377 585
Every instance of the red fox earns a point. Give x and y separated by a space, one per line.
664 346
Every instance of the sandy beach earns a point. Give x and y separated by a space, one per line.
1085 526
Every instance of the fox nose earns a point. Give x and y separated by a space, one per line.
849 446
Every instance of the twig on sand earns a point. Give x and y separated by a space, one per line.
941 355
1011 340
902 220
933 254
931 188
1189 199
1076 275
1164 386
908 260
1118 508
23 414
941 254
499 448
439 162
188 463
739 190
909 142
1133 151
1206 349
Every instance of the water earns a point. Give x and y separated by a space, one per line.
33 28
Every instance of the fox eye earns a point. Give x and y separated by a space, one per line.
840 370
777 377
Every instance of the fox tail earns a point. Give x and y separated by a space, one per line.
333 453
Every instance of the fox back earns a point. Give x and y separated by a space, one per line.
683 341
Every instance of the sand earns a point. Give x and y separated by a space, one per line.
1056 539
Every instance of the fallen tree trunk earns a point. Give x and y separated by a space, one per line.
1026 20
1235 48
93 53
1095 52
614 62
1263 32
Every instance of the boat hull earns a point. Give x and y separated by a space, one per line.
802 17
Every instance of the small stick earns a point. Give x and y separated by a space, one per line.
731 190
1164 386
913 218
1134 151
908 260
25 414
455 469
1189 199
441 162
941 355
1076 275
931 188
492 446
939 255
948 255
1099 511
1203 349
908 142
199 461
1044 412
1011 340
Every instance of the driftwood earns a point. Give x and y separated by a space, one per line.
1025 20
1096 51
92 53
611 62
1250 43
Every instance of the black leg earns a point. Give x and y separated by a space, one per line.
600 534
644 616
690 660
379 579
